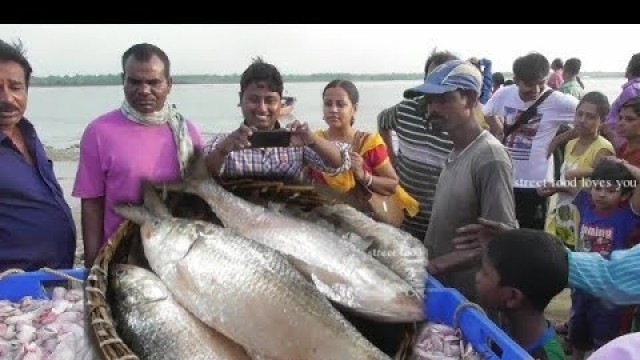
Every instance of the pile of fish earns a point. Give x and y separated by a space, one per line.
52 329
442 342
265 285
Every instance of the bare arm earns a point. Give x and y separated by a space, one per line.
496 126
635 198
387 137
385 180
561 140
92 215
237 140
328 151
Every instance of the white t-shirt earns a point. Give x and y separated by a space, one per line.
528 145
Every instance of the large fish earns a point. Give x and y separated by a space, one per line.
247 291
344 273
399 250
156 326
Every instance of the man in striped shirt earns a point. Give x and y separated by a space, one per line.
421 151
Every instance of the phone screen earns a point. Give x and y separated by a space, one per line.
275 138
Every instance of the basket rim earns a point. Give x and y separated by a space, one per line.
111 346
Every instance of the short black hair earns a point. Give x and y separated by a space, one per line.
15 52
438 58
572 66
260 71
557 63
530 67
633 104
497 78
600 100
633 67
531 261
614 173
144 52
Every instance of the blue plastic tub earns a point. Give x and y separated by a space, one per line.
37 284
441 304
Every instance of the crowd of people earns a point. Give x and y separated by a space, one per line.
518 190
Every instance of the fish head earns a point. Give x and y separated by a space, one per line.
155 228
167 241
132 285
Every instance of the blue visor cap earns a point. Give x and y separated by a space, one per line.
450 76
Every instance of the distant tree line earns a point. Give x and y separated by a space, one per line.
114 79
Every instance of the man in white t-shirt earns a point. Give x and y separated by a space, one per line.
527 144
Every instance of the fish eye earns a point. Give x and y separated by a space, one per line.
119 272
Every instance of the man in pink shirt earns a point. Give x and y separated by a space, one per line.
145 139
556 79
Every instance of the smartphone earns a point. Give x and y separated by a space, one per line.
270 138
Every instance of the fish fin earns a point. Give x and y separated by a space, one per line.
331 285
153 202
197 167
137 214
195 172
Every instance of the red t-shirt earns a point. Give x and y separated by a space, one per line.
632 156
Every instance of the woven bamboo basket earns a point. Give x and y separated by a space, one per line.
100 320
124 246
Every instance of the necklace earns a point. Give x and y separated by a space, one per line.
453 155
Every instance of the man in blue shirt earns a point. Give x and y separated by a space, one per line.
36 225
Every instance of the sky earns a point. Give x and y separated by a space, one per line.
69 49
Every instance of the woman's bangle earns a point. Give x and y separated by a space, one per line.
370 181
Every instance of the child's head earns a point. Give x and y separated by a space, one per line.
611 185
522 268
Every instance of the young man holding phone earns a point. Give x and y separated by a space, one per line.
260 147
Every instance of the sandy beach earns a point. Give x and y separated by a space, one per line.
65 165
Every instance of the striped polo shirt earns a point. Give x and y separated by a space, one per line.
421 155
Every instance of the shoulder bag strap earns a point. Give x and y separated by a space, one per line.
526 115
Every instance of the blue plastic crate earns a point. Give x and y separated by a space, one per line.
37 284
478 330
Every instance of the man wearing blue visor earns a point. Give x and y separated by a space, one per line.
477 177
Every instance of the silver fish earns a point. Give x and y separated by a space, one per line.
247 291
341 271
399 250
156 326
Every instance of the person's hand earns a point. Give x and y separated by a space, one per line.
357 163
237 140
614 159
301 135
571 174
474 236
547 190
